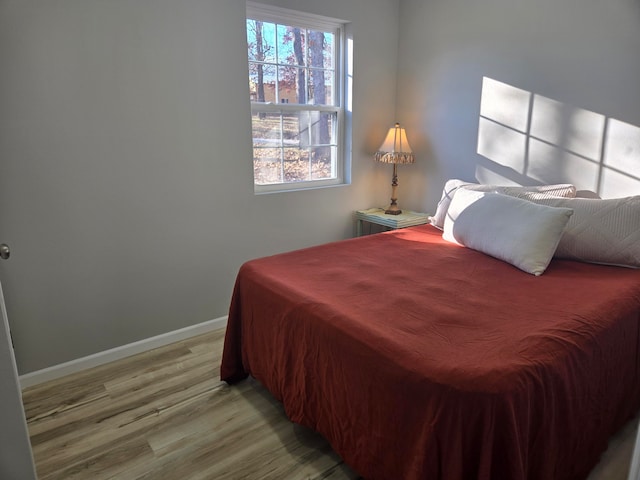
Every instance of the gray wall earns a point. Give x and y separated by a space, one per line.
521 92
125 174
126 187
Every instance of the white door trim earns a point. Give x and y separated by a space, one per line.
16 458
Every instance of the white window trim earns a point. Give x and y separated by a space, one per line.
279 15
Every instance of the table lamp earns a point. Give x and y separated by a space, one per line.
395 149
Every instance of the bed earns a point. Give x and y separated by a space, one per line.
417 358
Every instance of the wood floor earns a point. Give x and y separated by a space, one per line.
165 415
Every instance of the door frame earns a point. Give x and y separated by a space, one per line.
16 456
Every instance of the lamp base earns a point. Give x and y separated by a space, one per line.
393 209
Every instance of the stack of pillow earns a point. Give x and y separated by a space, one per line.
527 226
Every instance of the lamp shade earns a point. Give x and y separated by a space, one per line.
395 148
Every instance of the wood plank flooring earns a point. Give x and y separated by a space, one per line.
165 415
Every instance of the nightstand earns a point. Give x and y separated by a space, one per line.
377 216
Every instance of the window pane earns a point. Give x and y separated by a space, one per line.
261 37
262 80
323 164
303 128
291 45
329 51
320 91
322 128
291 129
296 165
288 83
266 129
267 165
320 49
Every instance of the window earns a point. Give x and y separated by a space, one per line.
296 96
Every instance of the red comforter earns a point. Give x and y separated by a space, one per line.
419 359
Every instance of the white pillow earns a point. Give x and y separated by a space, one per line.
600 231
451 186
506 228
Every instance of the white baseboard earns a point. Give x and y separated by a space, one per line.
100 358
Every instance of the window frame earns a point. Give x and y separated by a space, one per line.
288 17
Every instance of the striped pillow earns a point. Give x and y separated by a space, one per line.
600 231
540 191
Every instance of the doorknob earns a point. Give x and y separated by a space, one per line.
4 251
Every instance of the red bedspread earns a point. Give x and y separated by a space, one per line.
419 359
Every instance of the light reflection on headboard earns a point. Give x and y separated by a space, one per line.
529 139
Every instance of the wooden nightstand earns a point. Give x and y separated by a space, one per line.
377 216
